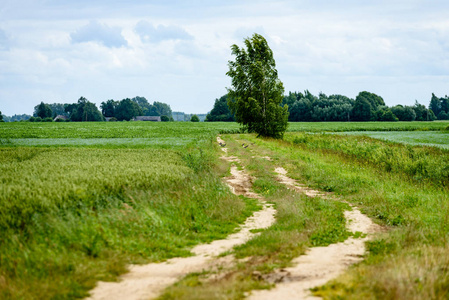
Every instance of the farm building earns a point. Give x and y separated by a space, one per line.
148 118
60 117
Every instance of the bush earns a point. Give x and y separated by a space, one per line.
194 118
32 119
165 119
47 120
37 119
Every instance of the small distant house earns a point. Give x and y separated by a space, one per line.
148 118
60 117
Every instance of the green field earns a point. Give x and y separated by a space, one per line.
80 201
78 213
425 138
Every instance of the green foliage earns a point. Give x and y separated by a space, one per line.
127 110
439 107
58 109
83 111
160 109
374 100
194 118
422 113
108 108
257 91
165 119
435 105
43 111
404 113
220 112
1 117
361 110
144 105
385 114
47 120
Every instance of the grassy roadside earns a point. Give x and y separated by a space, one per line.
405 190
407 193
73 216
301 222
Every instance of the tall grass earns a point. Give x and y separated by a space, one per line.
408 261
428 164
73 216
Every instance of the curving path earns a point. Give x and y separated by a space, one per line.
148 281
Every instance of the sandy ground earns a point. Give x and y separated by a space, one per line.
148 281
319 264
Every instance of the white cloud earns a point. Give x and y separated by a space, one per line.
101 33
155 34
398 49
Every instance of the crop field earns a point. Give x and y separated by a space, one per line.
77 210
425 138
81 201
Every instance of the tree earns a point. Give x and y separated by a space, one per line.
43 110
404 113
445 104
165 119
422 113
387 115
144 105
361 110
194 118
160 109
220 112
257 92
374 100
300 110
435 105
1 117
83 111
58 109
108 108
127 110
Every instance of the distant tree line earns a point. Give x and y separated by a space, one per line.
127 109
84 110
306 107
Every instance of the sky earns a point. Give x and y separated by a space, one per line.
177 52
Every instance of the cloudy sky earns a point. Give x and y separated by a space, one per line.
177 51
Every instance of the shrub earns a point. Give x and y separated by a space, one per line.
165 119
47 120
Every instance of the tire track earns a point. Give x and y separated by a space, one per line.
148 281
319 264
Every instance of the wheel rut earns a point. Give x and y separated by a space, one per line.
148 281
319 264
